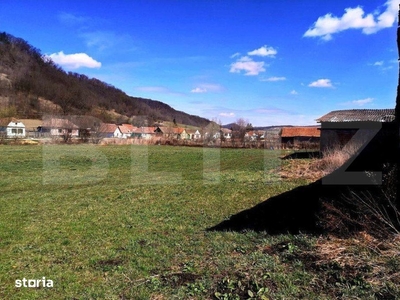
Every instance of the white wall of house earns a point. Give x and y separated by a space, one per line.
16 129
62 131
147 136
117 133
197 135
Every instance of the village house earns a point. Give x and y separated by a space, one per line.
184 135
60 127
193 134
172 132
126 130
16 129
339 127
88 125
261 135
147 132
251 136
226 133
109 130
300 137
197 135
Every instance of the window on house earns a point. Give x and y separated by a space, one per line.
20 131
14 131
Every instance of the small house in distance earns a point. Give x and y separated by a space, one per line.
147 133
126 130
16 129
340 126
59 126
300 137
108 130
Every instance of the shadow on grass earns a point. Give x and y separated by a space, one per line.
303 155
303 209
290 212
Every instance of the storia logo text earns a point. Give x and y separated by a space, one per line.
34 283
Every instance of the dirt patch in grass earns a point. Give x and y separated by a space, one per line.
175 280
108 264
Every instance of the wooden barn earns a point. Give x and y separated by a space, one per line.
300 137
339 127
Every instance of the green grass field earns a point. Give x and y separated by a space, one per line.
130 222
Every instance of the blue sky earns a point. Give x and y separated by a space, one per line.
271 62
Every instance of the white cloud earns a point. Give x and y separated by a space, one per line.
293 92
322 83
264 51
228 115
235 55
274 79
105 40
74 61
71 19
354 18
198 90
378 63
362 102
207 87
249 66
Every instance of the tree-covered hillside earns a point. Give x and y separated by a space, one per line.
32 85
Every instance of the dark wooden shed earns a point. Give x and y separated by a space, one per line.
339 128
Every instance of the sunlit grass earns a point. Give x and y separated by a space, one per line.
129 222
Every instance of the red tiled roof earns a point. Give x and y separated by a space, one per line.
351 115
171 130
178 130
301 131
126 128
107 127
147 130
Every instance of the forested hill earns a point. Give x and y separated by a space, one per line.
32 85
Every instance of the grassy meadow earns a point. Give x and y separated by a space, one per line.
130 222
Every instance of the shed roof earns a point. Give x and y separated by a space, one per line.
358 115
301 131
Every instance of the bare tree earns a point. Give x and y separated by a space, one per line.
241 128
